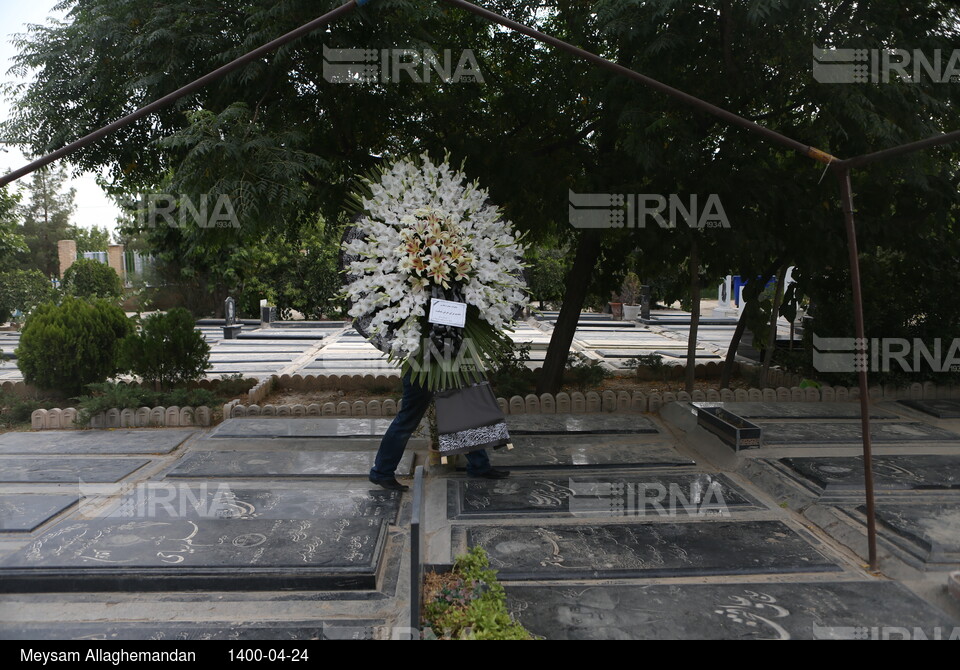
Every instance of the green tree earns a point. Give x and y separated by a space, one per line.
167 351
67 346
11 242
45 217
23 290
88 278
89 239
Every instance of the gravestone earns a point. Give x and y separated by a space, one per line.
942 409
829 433
742 611
87 442
546 452
630 550
645 302
634 496
230 327
342 427
67 470
789 410
326 463
210 554
561 424
904 473
927 530
22 513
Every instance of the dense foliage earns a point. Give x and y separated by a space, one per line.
67 346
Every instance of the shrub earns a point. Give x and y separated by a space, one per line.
470 603
102 397
15 409
583 372
67 346
510 375
88 278
234 385
168 349
23 290
647 366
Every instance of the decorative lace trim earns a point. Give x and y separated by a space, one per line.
473 439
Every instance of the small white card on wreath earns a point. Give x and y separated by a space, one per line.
448 313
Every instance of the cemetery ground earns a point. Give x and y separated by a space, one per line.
612 525
622 525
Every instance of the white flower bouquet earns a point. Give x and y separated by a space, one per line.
422 232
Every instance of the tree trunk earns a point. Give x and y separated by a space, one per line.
738 334
575 293
694 315
772 335
729 362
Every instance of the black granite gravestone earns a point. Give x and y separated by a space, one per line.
930 531
890 472
184 554
820 432
252 464
651 495
21 513
942 409
95 442
278 427
67 469
747 611
225 500
798 410
613 551
533 452
566 424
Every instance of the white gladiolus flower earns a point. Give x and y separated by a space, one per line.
424 226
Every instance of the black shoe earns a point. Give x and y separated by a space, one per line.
390 484
493 473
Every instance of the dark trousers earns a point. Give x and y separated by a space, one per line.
416 401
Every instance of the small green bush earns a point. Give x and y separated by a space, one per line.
88 278
67 346
647 366
233 385
472 604
23 290
15 409
511 376
168 350
583 372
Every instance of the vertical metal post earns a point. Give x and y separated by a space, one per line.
847 201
